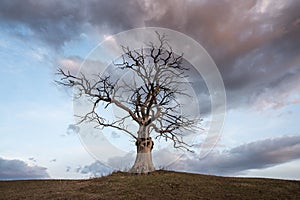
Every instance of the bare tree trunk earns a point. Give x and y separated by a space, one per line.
143 163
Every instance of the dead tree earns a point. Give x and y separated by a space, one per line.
149 99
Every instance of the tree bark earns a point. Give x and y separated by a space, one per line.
143 163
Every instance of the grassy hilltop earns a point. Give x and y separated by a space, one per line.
157 185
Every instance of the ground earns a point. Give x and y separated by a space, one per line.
156 185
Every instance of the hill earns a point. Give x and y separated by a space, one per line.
157 185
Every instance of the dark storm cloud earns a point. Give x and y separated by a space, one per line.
254 43
17 169
255 155
57 22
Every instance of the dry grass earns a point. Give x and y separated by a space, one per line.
157 185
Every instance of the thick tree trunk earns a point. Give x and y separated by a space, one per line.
143 163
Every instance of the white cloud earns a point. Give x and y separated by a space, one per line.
289 170
95 169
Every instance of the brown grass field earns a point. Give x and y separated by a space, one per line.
157 185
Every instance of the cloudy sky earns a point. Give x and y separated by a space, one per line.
254 43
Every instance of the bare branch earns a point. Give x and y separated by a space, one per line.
148 97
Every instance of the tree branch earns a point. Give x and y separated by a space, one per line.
148 98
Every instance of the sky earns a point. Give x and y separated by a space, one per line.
254 43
